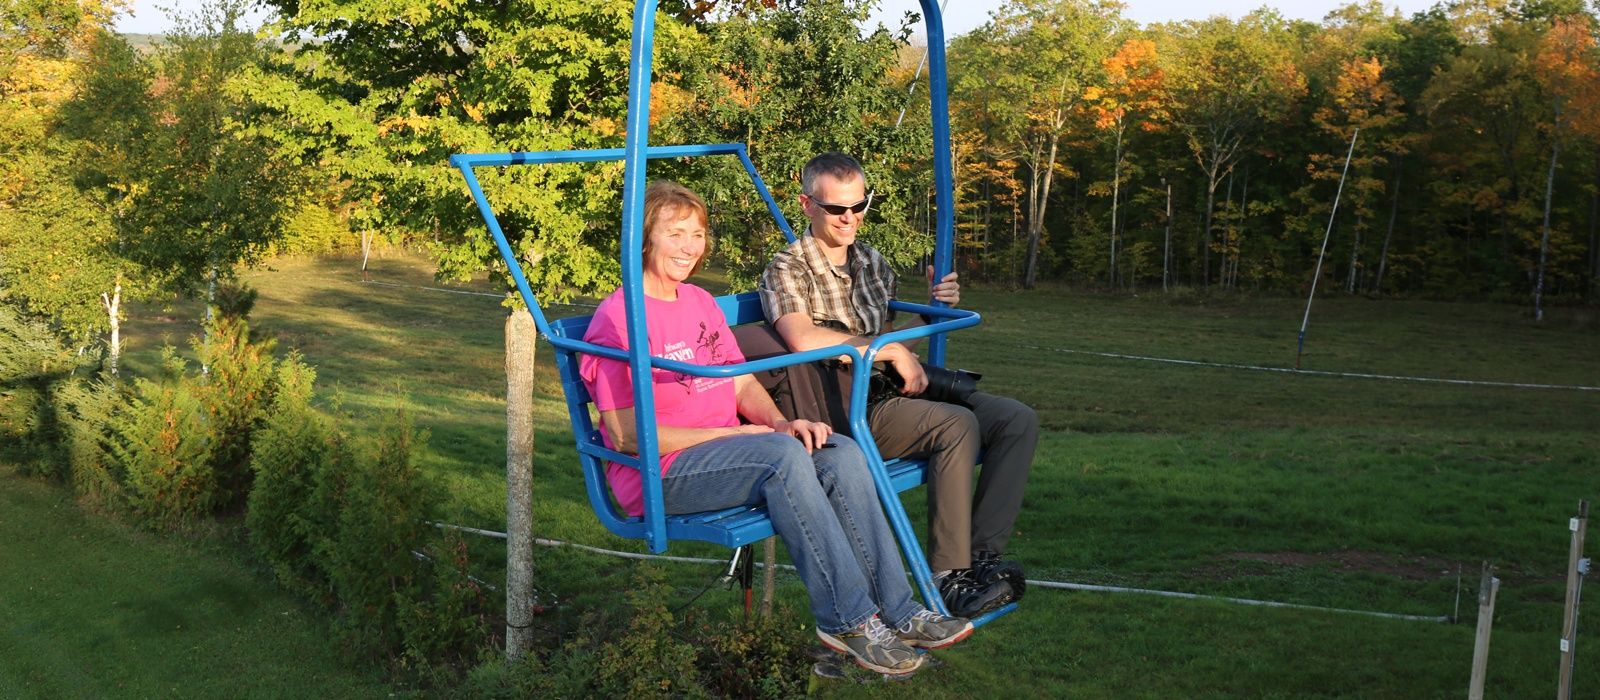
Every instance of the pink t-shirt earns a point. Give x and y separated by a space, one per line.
691 329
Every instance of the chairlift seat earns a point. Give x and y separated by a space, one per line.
730 527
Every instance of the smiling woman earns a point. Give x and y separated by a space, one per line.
675 238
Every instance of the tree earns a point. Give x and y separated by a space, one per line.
792 82
59 249
213 193
382 93
1032 63
1565 68
1227 81
1132 95
1358 98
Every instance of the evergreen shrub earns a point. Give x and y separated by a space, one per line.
85 409
234 393
164 446
290 451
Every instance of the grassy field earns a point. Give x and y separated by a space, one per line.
91 609
1317 490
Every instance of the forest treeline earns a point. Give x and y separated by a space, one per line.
1088 149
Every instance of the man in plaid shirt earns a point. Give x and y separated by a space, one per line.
826 289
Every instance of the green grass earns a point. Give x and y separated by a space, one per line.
1317 490
89 608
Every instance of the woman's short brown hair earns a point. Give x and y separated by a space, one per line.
665 196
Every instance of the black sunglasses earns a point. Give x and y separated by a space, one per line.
839 209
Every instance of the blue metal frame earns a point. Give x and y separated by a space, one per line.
725 527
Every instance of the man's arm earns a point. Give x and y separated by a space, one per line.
785 300
800 334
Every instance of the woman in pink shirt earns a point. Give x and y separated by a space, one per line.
815 484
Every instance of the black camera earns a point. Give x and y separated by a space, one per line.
944 384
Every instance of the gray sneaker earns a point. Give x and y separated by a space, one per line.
930 630
874 647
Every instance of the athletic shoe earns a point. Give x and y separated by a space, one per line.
874 647
965 597
989 567
930 630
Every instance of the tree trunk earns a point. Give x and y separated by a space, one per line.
1244 217
211 312
1116 182
1166 247
1205 234
1594 224
1036 230
1227 234
366 250
114 348
1544 235
1394 210
521 342
1355 258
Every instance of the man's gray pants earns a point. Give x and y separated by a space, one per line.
952 437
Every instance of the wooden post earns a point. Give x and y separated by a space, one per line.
521 342
1487 590
1569 620
769 564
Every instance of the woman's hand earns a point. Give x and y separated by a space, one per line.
810 433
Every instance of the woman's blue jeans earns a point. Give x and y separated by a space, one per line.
823 505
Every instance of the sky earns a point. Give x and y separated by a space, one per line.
960 16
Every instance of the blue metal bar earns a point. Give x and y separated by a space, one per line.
943 180
892 508
743 368
761 186
636 151
594 155
505 249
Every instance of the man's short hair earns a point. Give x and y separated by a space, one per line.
837 165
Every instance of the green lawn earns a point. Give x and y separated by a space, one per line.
1327 491
89 609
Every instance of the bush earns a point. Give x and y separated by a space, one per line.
315 230
32 363
449 620
234 393
641 650
85 409
375 499
758 658
289 452
649 660
163 444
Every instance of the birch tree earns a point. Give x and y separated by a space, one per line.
1034 60
1228 80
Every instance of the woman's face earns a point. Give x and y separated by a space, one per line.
677 242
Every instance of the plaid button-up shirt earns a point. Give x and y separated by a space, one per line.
853 299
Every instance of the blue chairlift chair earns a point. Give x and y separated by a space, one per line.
735 527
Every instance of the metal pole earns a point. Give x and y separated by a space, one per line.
1301 349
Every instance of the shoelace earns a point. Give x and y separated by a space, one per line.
877 632
963 581
925 615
